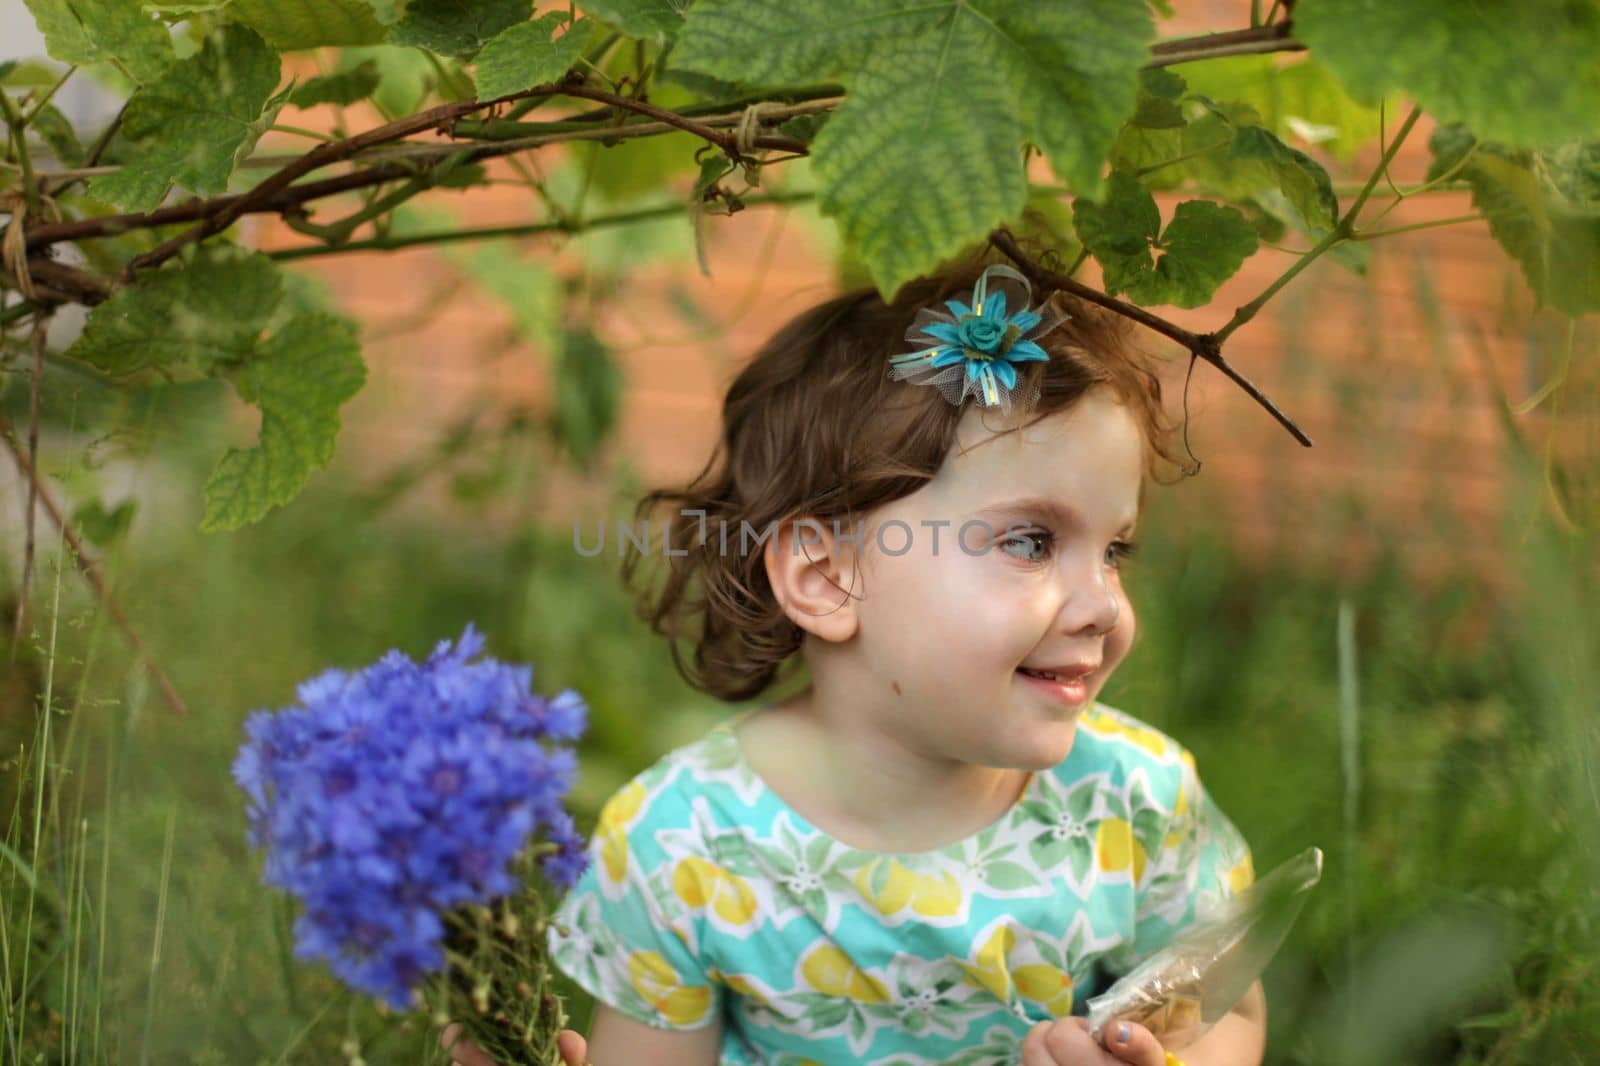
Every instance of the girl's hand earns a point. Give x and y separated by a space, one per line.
1066 1042
464 1052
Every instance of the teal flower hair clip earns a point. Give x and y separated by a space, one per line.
975 349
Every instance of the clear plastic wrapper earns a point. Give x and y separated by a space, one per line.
1188 986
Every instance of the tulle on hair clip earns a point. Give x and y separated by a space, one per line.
974 350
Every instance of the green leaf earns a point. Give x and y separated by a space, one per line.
28 74
1542 206
588 395
1203 245
299 379
1514 72
195 315
404 75
804 127
659 20
195 121
941 96
338 89
1163 83
54 129
1300 100
457 27
1118 232
104 31
1302 179
101 526
290 24
1229 153
525 55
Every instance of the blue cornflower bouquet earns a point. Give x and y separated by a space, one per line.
409 808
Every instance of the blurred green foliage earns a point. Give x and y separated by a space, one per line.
1456 922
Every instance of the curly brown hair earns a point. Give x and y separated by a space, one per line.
814 427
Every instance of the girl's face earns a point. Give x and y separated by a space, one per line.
945 626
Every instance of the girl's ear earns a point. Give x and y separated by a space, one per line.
812 569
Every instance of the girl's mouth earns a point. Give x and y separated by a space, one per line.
1072 691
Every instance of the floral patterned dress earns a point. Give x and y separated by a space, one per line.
708 896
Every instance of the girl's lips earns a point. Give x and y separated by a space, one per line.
1073 692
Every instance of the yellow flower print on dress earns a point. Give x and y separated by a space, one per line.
1118 851
1104 723
830 971
891 888
992 969
1046 984
653 977
701 883
612 829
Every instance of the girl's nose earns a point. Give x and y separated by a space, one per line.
1092 605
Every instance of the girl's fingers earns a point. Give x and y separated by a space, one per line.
574 1048
1133 1043
1034 1053
463 1052
1063 1042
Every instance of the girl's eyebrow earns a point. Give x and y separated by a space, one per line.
1043 505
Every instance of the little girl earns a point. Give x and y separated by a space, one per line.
942 846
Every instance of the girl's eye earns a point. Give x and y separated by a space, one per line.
1119 552
1038 537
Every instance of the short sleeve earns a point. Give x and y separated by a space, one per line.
624 940
1197 859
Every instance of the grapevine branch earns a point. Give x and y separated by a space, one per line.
280 191
90 570
1207 346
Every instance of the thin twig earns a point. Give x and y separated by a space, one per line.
527 229
1371 234
1343 230
1207 346
41 327
91 571
320 156
1253 41
284 199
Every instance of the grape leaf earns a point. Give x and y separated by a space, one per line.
1514 72
1118 232
99 31
1301 99
292 24
225 312
1230 154
194 316
650 19
457 27
1302 179
56 131
941 96
588 395
1203 245
193 123
1542 206
340 89
525 55
299 378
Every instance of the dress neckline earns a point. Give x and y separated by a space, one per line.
748 776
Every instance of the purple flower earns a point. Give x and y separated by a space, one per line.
389 795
